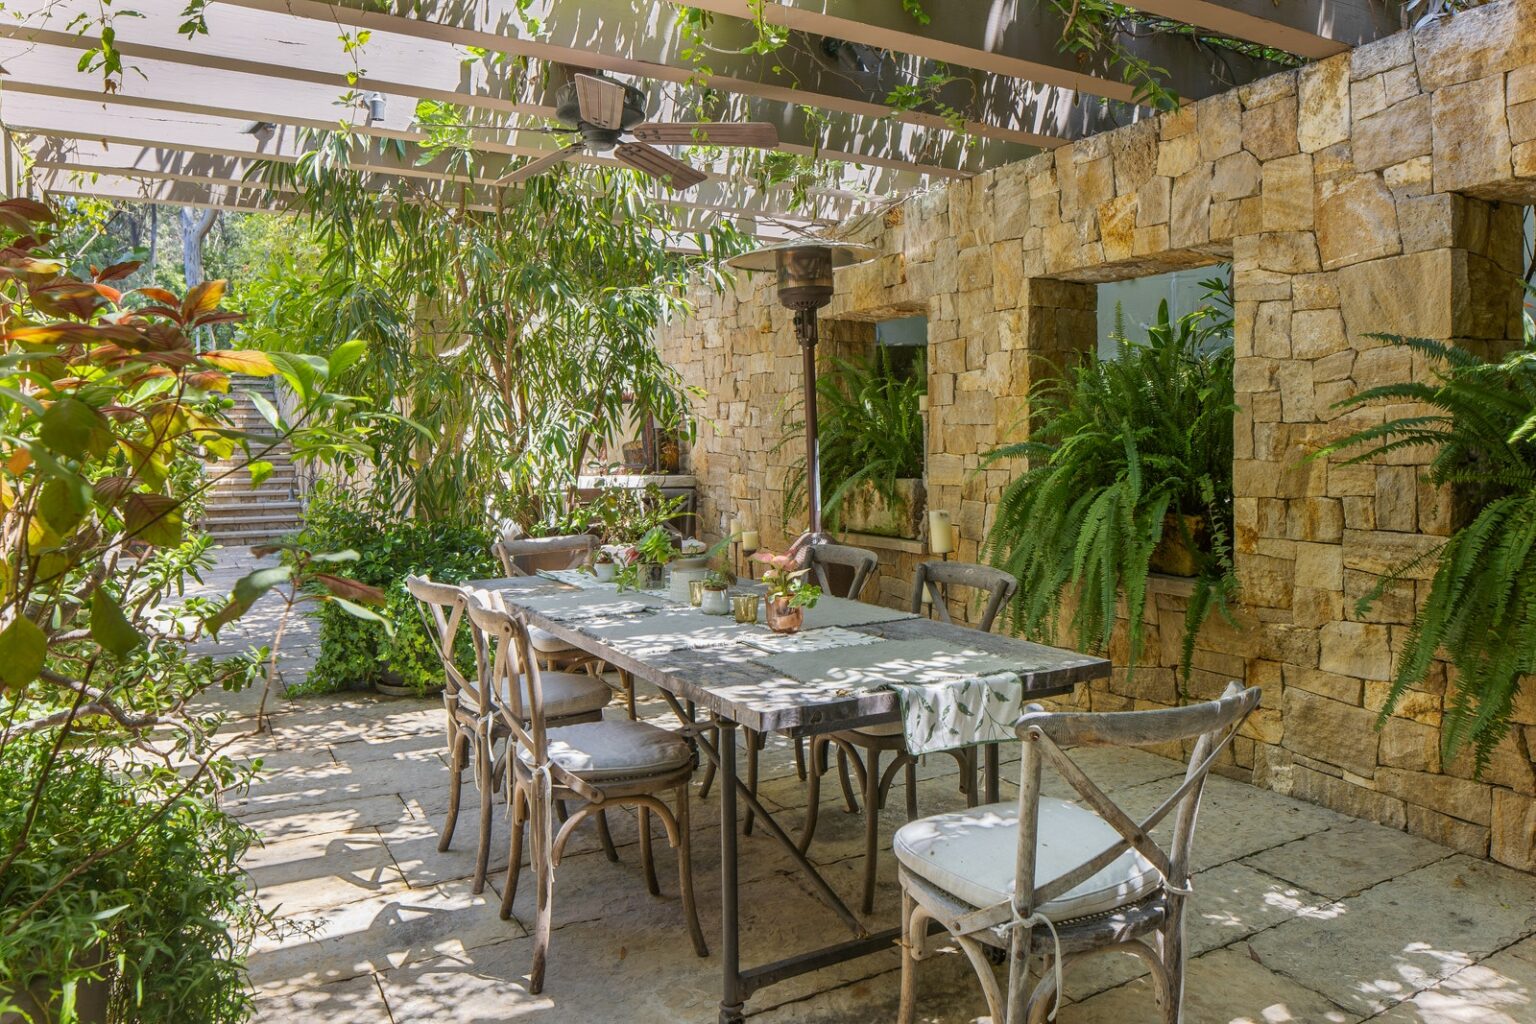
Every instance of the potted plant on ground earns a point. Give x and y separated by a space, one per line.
789 595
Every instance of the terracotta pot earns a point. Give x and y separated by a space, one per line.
1173 556
782 618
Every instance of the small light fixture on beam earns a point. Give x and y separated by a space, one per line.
373 102
256 127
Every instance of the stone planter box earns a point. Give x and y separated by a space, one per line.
865 510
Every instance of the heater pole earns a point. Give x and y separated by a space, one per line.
805 330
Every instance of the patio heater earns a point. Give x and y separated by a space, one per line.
804 270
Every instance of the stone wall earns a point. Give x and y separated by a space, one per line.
1372 191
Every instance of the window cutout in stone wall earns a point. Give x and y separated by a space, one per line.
1137 300
874 384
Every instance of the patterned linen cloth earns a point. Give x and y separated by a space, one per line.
950 696
960 711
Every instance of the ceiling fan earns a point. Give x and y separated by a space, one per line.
603 111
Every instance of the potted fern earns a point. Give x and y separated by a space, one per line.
1480 614
1130 460
870 434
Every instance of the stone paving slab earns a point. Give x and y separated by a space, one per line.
1348 858
1407 934
1299 913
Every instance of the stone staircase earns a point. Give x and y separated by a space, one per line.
237 514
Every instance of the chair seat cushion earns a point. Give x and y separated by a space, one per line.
546 642
971 854
570 693
609 751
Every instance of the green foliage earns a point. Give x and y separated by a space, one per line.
514 342
869 429
139 883
390 547
1118 446
1479 420
113 850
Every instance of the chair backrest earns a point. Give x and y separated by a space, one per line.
937 577
1047 736
511 669
523 556
442 606
860 561
514 673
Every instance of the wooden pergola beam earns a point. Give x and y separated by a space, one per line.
75 128
210 78
1317 28
237 198
1011 38
89 157
613 36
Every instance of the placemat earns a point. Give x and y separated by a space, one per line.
814 640
577 578
839 611
890 661
671 628
575 606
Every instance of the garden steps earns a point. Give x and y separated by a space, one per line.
236 513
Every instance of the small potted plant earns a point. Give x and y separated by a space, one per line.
714 600
645 569
605 565
789 595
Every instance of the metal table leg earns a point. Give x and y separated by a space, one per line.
990 756
732 999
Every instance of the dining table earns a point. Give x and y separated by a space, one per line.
720 676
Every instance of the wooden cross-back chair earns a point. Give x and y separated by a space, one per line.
473 731
601 764
1084 877
525 556
862 748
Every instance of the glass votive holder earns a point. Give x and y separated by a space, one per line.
745 607
695 592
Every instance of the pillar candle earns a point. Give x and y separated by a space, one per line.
941 535
749 541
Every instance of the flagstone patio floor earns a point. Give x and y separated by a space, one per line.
1299 914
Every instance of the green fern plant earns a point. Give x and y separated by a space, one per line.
1480 421
870 429
1119 449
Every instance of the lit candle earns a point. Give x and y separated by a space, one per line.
941 535
749 541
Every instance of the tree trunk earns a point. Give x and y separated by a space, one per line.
154 242
194 228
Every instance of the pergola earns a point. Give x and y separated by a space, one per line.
190 117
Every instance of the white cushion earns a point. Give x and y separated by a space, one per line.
546 642
971 855
570 693
600 751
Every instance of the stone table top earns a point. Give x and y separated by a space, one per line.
739 684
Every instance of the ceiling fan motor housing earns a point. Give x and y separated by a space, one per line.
568 111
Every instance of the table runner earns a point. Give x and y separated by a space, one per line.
950 696
670 627
839 611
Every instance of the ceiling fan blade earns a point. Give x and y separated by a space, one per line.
711 133
673 173
600 100
540 165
